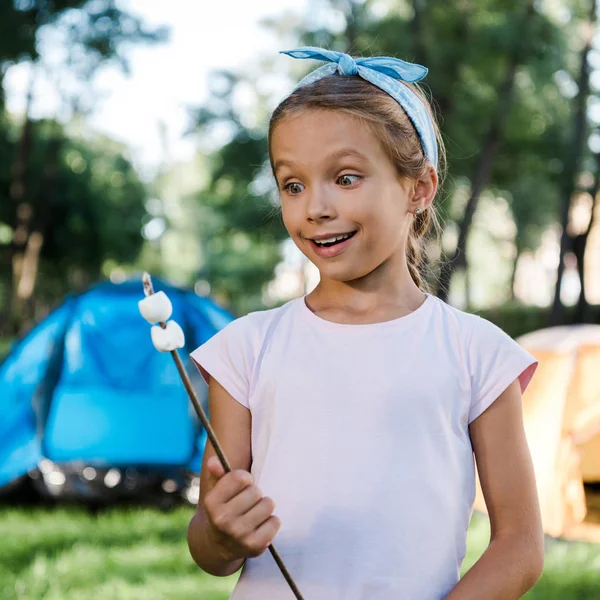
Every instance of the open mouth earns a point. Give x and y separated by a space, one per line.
334 240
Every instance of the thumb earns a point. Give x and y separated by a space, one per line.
215 468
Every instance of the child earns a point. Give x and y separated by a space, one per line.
356 409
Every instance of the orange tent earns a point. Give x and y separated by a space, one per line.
561 410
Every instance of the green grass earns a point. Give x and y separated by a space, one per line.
68 554
135 554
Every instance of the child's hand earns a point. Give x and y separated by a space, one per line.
240 518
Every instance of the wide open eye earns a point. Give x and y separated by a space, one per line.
348 180
294 188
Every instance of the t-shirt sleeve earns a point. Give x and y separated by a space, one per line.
495 360
228 356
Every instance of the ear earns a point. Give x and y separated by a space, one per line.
424 190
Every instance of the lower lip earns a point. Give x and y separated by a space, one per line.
330 251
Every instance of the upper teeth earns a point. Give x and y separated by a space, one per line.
333 239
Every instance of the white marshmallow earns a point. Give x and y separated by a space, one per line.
156 308
166 340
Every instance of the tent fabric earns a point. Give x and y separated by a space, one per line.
561 412
87 385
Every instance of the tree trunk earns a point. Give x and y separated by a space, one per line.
513 275
23 213
584 313
31 257
444 97
486 159
468 290
557 314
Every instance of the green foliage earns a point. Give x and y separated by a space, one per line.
86 198
98 28
516 319
241 229
4 347
101 199
83 197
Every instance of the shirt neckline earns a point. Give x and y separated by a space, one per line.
310 316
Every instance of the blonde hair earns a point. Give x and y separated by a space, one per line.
387 120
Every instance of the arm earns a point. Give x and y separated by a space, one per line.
514 559
231 423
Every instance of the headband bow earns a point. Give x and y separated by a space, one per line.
385 72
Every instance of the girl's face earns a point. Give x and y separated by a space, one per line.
342 201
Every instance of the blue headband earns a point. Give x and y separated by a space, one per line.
384 72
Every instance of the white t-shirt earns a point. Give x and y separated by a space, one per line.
360 435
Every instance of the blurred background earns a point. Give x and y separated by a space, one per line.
133 138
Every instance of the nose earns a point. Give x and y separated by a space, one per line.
319 207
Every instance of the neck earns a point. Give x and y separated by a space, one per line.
385 290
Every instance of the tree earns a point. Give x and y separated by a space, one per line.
240 227
572 164
87 209
93 33
488 153
583 313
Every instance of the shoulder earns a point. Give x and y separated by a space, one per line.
232 354
471 324
257 324
462 324
479 341
250 332
492 358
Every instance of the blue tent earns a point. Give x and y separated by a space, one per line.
87 385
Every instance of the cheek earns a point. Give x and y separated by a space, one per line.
286 215
384 228
291 218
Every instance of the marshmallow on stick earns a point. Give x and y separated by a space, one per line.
157 308
168 336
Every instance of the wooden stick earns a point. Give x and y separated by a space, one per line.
148 291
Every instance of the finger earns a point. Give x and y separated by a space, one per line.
230 485
242 526
240 504
256 516
215 468
264 535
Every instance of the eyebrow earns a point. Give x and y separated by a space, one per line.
342 153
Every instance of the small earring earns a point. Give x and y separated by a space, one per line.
417 212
